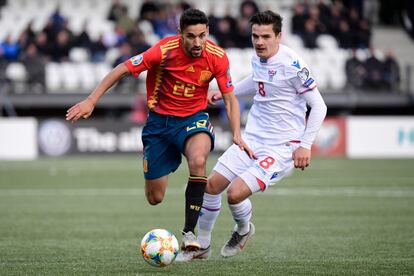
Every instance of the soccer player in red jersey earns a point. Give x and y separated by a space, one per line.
180 69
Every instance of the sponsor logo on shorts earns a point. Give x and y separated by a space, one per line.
262 171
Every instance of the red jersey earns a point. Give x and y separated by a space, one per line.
177 84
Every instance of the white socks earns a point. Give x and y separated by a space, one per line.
208 216
242 213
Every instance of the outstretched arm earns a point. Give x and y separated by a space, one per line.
243 87
85 108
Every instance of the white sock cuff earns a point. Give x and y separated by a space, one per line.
241 211
212 202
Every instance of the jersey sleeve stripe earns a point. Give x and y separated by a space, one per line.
214 52
160 71
307 90
169 47
172 41
215 47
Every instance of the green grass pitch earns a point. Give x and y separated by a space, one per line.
87 216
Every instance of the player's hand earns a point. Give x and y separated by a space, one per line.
213 97
243 146
301 157
82 109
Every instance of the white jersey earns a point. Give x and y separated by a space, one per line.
278 114
276 123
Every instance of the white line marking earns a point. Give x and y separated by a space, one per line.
396 192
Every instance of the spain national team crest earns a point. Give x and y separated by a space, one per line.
205 76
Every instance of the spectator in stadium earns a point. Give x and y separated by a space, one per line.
166 22
3 66
180 69
345 24
334 19
27 36
42 44
344 36
276 129
298 19
310 35
83 40
314 14
10 49
34 63
374 69
363 34
125 21
312 27
125 84
116 38
324 13
391 71
355 71
60 50
98 50
57 19
248 8
116 10
137 41
241 36
224 33
149 11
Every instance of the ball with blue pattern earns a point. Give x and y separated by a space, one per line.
159 247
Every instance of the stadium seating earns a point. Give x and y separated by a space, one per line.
78 74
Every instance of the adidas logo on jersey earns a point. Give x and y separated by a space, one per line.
190 69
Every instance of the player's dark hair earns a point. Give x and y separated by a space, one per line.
192 17
267 18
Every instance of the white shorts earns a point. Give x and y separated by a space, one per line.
272 164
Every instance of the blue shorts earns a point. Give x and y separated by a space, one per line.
164 137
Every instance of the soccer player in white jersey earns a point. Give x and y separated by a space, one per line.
277 131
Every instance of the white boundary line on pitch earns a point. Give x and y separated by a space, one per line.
317 192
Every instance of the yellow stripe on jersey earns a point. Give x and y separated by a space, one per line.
214 50
215 47
172 41
169 46
172 44
212 46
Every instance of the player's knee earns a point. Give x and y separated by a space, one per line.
154 199
212 189
197 162
234 196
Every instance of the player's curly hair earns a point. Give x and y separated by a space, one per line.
192 17
267 18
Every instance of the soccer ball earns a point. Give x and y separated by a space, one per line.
159 247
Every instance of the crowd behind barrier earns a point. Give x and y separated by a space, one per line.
65 48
